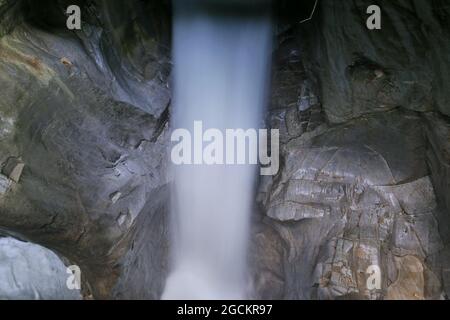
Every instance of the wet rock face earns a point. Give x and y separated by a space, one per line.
364 182
399 65
438 135
83 135
28 271
363 118
348 199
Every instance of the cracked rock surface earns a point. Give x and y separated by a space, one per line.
82 134
364 180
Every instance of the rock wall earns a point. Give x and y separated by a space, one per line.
83 134
365 150
365 131
28 271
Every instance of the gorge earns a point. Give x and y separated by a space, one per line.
363 116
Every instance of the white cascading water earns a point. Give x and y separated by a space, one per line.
221 76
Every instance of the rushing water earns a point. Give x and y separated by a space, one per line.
221 70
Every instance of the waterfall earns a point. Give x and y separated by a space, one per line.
221 56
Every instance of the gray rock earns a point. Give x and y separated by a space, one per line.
13 169
365 152
87 124
353 196
5 184
31 272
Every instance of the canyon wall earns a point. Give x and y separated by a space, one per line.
365 139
